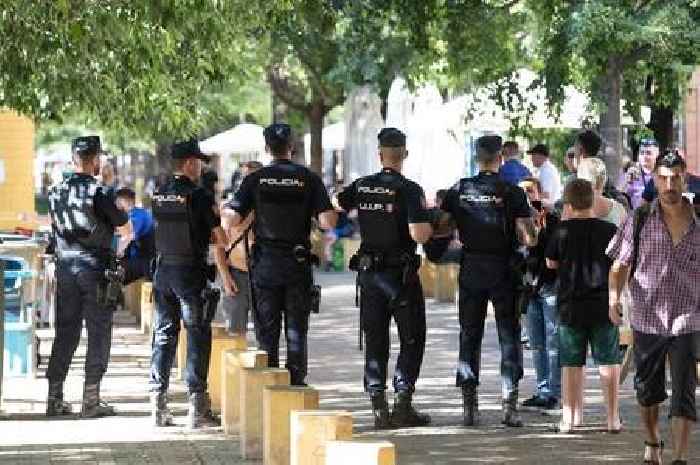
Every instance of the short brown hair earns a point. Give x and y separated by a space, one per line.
535 182
579 194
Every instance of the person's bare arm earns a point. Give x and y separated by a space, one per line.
220 244
230 218
420 232
526 231
552 264
616 282
328 219
126 235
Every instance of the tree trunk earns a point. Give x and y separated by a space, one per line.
661 122
610 128
315 115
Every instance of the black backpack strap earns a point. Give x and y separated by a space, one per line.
241 238
640 216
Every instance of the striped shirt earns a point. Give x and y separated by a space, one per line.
665 288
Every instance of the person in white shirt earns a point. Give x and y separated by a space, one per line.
547 174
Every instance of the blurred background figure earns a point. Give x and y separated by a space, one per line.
139 247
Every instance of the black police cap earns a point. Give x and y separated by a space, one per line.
391 137
86 145
187 149
540 149
491 144
277 133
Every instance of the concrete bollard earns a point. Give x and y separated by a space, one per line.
253 381
446 282
220 342
278 403
360 452
311 429
427 273
232 362
147 308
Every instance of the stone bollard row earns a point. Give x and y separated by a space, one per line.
281 424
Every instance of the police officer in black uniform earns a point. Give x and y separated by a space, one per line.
285 197
186 217
83 225
491 217
393 218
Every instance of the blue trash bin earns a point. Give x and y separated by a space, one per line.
18 330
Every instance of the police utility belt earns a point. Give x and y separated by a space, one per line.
364 261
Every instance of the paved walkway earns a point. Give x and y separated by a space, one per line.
28 438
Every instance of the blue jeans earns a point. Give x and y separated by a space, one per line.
178 295
544 342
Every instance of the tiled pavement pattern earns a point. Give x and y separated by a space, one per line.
28 438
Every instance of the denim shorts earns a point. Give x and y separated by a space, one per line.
604 340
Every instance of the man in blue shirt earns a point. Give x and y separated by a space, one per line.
512 171
139 248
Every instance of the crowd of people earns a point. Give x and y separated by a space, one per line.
563 253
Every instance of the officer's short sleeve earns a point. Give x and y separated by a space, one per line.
106 207
244 198
520 208
320 201
451 200
415 204
347 198
204 206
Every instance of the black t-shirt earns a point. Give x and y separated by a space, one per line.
579 247
389 203
244 199
204 216
485 209
535 260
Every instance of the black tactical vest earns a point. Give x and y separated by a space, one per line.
483 218
172 215
76 224
382 213
282 206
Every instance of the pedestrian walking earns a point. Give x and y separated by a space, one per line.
186 217
393 219
490 214
577 252
83 222
658 251
285 197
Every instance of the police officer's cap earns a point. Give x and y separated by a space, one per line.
391 137
491 144
277 133
86 145
187 149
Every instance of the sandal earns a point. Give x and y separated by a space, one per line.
658 445
617 430
563 428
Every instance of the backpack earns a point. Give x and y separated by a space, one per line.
640 216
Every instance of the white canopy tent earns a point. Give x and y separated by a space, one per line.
244 142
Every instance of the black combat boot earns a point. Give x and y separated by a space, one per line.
380 410
404 415
93 406
55 406
470 405
199 414
160 413
511 417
